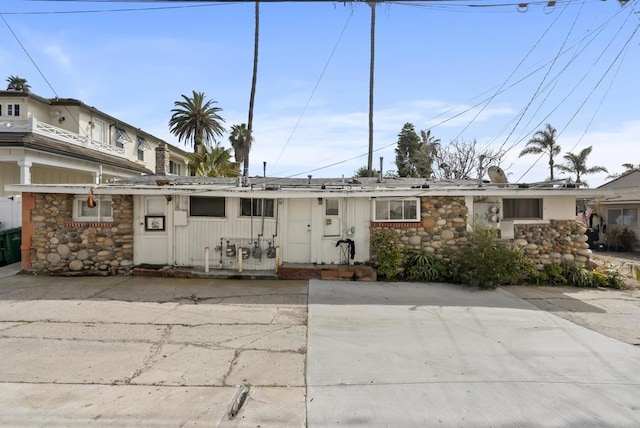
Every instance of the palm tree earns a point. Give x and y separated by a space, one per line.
248 136
628 167
372 50
241 140
213 162
544 141
197 120
17 84
577 164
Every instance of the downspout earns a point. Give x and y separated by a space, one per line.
277 202
262 226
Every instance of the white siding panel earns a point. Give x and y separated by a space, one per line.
355 217
201 232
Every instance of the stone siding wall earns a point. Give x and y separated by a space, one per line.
556 242
444 226
61 245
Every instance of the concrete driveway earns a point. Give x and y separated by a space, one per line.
125 351
425 355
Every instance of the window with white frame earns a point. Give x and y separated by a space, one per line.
622 216
256 207
525 208
13 109
396 209
331 207
142 147
122 137
174 167
102 212
203 206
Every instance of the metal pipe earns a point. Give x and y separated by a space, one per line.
277 203
262 230
206 259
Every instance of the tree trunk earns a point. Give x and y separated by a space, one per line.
371 69
254 76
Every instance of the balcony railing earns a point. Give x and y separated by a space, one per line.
57 134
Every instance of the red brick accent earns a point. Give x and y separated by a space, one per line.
28 229
88 224
328 272
396 225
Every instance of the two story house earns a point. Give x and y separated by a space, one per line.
64 141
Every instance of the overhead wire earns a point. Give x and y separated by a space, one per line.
511 74
417 3
590 92
313 91
590 38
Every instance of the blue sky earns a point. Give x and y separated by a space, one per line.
573 65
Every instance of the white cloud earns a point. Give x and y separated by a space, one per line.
57 54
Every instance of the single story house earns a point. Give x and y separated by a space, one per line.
217 223
616 210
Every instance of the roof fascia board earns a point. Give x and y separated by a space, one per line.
301 193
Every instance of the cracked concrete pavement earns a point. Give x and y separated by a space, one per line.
133 351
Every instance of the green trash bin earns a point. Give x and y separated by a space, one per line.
12 242
2 247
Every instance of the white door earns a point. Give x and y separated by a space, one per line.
298 249
332 223
152 230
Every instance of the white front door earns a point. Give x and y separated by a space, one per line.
298 249
153 226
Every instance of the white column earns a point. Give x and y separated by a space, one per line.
25 171
97 176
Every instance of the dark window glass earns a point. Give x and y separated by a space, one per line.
522 208
200 206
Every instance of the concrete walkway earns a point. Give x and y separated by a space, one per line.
417 355
135 351
155 352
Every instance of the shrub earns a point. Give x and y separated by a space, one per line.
388 254
579 276
486 263
422 266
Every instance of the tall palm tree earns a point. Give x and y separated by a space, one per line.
213 162
372 50
241 140
544 141
628 167
197 120
577 164
17 84
248 139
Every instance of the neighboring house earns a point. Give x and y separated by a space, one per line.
618 208
199 222
64 141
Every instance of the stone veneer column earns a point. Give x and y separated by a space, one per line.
162 159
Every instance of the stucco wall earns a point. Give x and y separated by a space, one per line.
58 244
